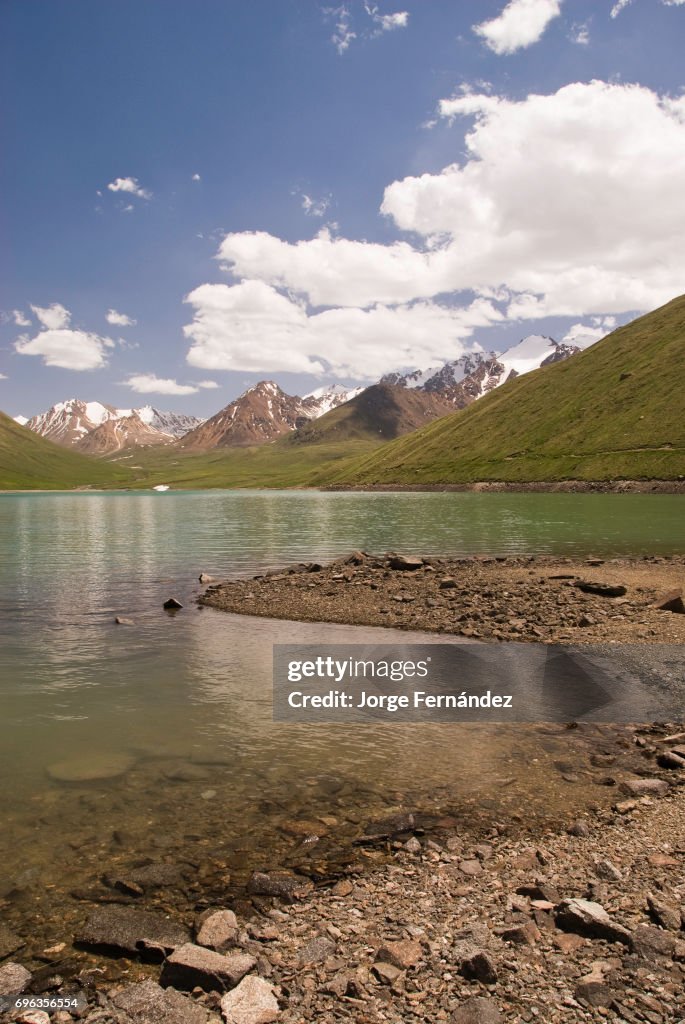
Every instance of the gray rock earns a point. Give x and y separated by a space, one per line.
129 931
385 828
645 787
13 979
172 604
665 914
147 1002
145 879
387 974
649 942
253 1001
671 602
477 1010
9 942
316 950
590 920
601 589
479 966
580 829
448 583
669 759
218 930
191 966
402 563
606 870
286 887
594 993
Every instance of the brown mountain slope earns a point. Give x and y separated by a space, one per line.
113 435
263 413
381 412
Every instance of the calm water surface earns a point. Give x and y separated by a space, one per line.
187 697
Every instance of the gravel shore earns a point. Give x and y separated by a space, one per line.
541 599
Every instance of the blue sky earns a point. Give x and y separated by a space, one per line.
322 193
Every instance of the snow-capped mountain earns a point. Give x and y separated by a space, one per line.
322 400
73 422
262 413
475 374
21 420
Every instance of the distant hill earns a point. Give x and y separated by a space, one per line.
614 410
29 462
379 413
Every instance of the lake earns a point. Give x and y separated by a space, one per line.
179 706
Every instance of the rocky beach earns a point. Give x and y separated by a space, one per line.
532 598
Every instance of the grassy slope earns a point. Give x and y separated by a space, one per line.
279 464
29 462
572 420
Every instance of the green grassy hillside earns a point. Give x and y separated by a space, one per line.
614 411
29 462
278 464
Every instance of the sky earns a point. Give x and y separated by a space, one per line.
196 195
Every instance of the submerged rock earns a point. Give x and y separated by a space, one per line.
9 942
93 767
13 979
131 932
172 604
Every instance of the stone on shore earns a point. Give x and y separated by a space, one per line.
403 563
590 920
601 589
477 1010
671 602
191 966
280 884
218 930
252 1002
131 932
645 787
403 954
13 979
147 1001
650 942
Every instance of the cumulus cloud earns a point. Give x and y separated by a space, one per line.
251 326
520 24
583 335
67 349
196 177
131 186
3 376
344 34
208 385
20 319
149 383
580 34
54 316
119 319
618 7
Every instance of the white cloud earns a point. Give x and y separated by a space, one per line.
3 376
148 384
131 186
196 177
618 7
580 34
252 327
54 316
20 319
520 24
387 22
315 207
119 319
343 34
68 349
584 335
208 385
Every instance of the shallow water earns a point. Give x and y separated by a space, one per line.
187 697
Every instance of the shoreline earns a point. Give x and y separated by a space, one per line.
526 599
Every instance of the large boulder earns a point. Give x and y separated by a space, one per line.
131 932
590 920
191 966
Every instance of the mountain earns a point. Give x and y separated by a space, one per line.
614 410
262 413
475 374
321 401
73 422
380 412
28 462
